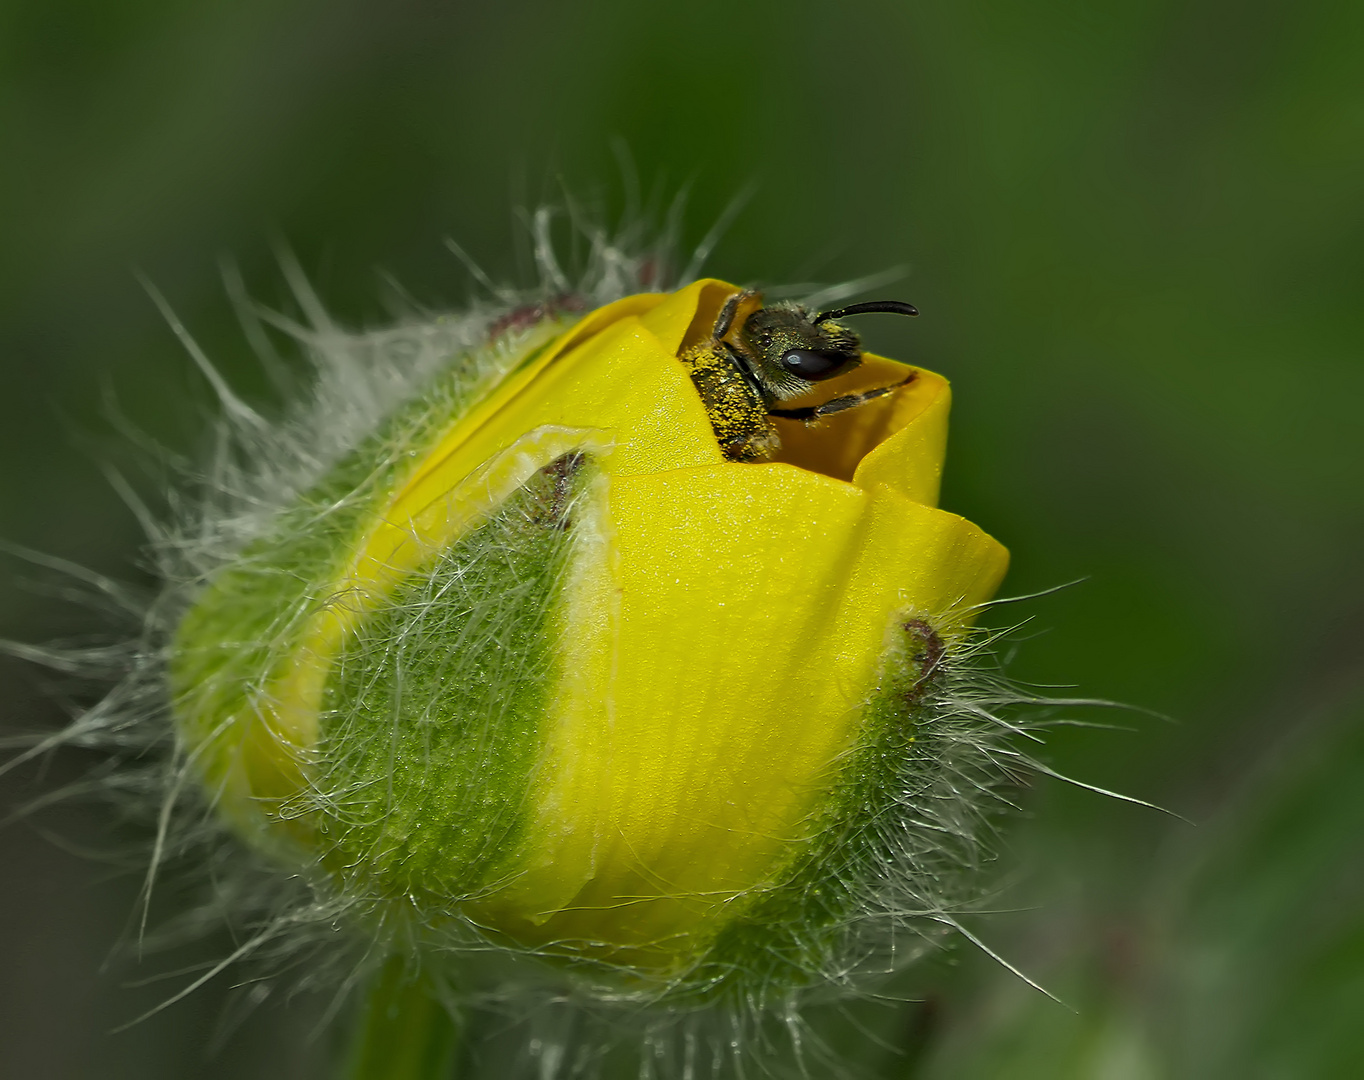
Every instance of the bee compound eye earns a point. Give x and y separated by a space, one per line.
812 365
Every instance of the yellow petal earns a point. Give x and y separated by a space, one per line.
610 385
717 661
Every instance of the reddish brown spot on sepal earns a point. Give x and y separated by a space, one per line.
529 315
926 652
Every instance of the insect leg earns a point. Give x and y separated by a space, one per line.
745 370
840 404
726 319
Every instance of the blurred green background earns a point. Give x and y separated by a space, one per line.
1136 232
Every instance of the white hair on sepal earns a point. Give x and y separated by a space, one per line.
918 884
255 467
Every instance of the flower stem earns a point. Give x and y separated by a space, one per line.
403 1031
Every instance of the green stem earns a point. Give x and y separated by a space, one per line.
403 1031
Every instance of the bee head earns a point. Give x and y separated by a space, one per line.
793 348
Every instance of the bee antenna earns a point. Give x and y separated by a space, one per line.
893 307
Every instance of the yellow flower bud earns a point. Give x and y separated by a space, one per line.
537 658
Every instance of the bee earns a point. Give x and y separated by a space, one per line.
776 353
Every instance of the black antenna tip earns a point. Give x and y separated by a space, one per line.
890 307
